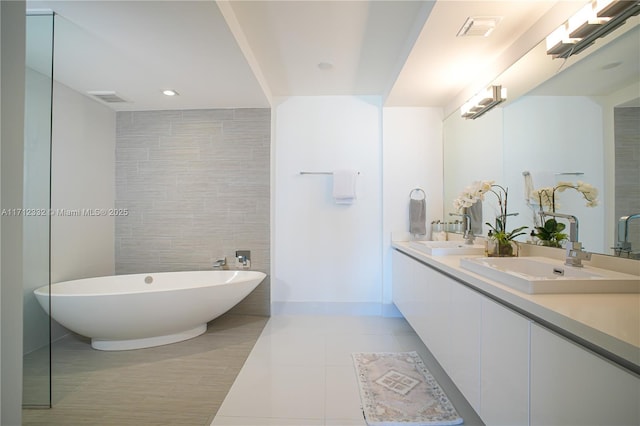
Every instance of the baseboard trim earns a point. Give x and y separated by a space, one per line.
335 308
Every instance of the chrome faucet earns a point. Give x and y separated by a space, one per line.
623 244
468 233
575 254
220 263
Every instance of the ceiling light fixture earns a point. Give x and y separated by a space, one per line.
483 102
170 92
595 20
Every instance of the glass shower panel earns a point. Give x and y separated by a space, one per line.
36 223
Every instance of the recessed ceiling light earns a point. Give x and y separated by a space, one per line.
170 92
325 66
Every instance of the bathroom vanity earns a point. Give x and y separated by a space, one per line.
524 359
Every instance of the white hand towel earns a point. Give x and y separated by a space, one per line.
344 186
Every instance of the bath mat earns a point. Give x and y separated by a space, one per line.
397 389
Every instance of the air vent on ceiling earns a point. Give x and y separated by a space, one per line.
479 26
107 96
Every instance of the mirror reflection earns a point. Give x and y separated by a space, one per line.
577 132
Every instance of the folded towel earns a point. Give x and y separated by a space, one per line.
417 217
344 186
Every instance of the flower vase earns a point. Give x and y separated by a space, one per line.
496 248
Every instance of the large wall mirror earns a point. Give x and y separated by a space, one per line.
573 120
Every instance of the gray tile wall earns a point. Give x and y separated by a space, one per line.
627 146
196 187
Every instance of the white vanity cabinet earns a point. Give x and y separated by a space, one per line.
419 292
436 312
504 365
573 386
409 297
446 316
511 370
482 346
463 365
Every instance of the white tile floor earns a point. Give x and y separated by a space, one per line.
301 373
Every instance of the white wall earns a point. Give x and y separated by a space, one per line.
324 252
412 158
83 177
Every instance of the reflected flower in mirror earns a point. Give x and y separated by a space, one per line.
548 200
550 233
472 193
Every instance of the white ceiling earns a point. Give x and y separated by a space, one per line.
248 53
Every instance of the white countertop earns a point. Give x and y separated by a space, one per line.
608 322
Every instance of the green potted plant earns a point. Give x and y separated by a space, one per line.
551 233
501 242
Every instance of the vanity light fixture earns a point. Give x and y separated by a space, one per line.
170 92
483 102
595 20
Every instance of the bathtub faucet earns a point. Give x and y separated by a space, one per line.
220 263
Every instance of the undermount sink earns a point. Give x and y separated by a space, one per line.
443 248
535 275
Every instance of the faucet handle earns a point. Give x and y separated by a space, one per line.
575 254
244 258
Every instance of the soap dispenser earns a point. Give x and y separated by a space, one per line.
488 243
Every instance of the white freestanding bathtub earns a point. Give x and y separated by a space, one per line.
143 310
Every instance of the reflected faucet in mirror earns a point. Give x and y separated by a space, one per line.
468 233
623 245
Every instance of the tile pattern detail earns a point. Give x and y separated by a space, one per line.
397 382
196 187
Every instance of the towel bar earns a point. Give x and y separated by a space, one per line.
420 190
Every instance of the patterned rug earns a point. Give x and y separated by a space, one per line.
397 389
